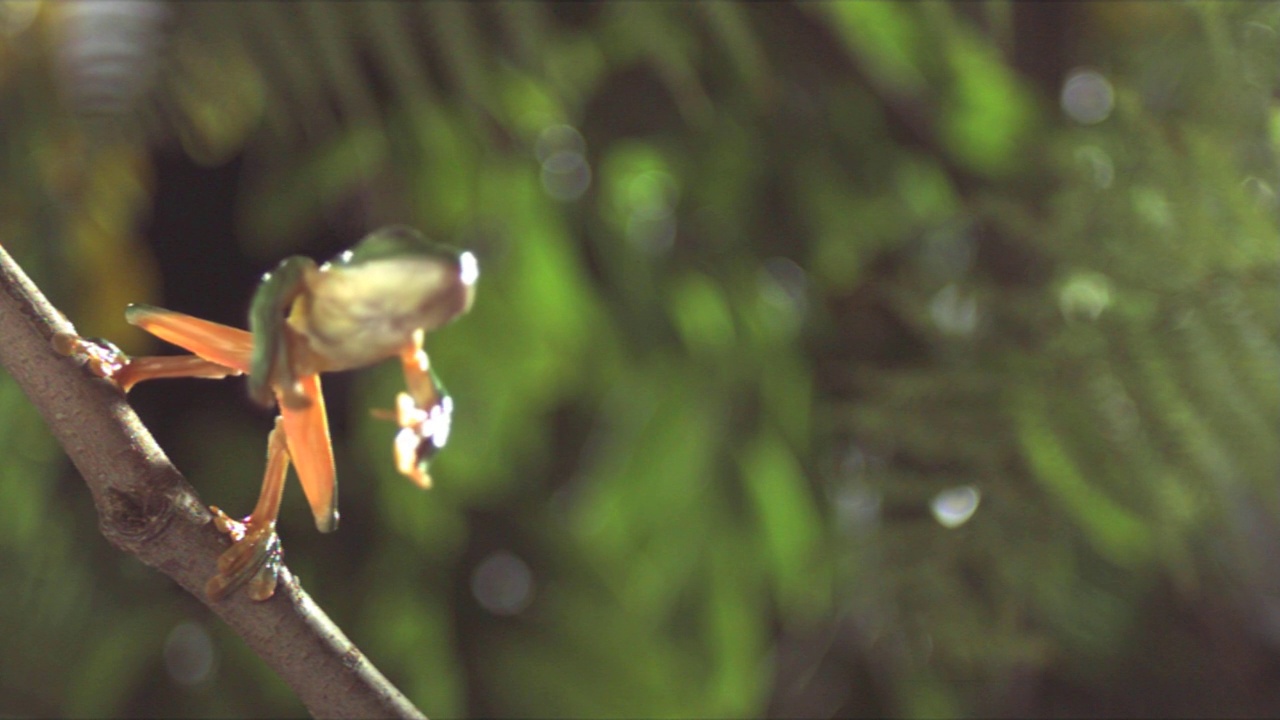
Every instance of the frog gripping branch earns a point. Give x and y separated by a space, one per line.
373 302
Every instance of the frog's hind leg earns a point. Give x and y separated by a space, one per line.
107 361
255 555
219 344
169 366
307 430
219 350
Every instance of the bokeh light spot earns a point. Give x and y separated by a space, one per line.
561 150
503 584
188 654
652 194
1087 97
560 138
857 507
784 290
654 235
954 506
1097 165
954 311
1084 296
1261 192
566 176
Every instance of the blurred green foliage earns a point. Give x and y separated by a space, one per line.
847 358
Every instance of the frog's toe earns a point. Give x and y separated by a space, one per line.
263 583
255 561
99 357
254 557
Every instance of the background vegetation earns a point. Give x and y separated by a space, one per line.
842 358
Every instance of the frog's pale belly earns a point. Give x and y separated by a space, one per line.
360 315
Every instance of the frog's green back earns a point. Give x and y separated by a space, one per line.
394 241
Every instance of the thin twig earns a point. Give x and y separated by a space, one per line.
148 509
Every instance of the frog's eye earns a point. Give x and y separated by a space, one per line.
468 268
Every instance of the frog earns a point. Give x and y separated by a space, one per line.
374 302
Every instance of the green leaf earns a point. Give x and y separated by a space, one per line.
790 525
702 315
1115 533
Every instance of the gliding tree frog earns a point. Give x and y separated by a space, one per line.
375 301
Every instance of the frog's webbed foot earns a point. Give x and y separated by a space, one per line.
423 431
255 557
98 356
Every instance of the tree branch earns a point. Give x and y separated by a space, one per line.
148 509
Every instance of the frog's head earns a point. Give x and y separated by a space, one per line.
410 275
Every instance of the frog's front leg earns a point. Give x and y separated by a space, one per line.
255 555
424 414
272 374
